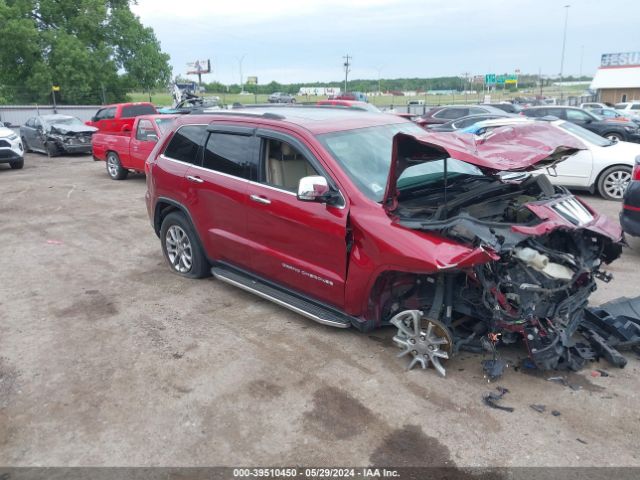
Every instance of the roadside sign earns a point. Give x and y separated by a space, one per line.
252 80
55 88
490 79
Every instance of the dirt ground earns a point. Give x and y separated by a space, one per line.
109 359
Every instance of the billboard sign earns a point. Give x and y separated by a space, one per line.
199 67
623 59
252 80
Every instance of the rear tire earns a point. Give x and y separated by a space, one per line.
181 247
614 136
613 182
17 165
114 168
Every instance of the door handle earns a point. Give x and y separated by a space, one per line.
259 199
193 179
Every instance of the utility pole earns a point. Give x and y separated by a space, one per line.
581 58
379 69
564 43
347 64
465 75
540 80
240 60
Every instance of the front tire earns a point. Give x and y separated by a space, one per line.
613 182
114 168
181 247
52 149
17 165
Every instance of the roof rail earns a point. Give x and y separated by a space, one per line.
270 115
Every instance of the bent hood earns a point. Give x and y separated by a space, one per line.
510 148
65 129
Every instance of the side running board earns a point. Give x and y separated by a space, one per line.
308 308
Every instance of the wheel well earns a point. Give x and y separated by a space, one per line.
392 292
597 181
163 208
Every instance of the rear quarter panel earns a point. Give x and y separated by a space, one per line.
102 143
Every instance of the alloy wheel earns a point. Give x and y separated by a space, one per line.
112 166
179 250
428 341
616 183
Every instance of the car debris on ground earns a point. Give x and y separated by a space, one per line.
492 399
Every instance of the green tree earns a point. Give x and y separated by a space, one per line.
92 49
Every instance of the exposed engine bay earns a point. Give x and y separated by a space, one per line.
535 291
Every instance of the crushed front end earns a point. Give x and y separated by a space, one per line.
547 251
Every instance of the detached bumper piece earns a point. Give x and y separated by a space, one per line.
612 327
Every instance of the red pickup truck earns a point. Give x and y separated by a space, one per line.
129 150
119 116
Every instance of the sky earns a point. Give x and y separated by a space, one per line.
305 40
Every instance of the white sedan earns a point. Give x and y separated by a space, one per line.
604 167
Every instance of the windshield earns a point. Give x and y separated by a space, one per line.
64 121
369 107
164 123
365 154
585 134
432 172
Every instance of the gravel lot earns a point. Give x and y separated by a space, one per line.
107 358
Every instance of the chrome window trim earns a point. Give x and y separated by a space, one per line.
164 157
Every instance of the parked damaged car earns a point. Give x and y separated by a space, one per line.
356 219
56 135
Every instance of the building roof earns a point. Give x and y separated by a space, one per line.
616 77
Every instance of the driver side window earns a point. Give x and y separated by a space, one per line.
284 165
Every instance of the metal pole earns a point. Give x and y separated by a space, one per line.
53 92
564 43
347 64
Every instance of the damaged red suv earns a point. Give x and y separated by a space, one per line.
363 219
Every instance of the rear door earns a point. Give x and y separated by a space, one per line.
300 245
217 192
36 138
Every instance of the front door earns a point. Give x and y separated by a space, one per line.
141 144
300 245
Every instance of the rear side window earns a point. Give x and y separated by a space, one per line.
185 143
620 106
129 111
232 154
635 106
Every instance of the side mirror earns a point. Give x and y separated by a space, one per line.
588 120
313 189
